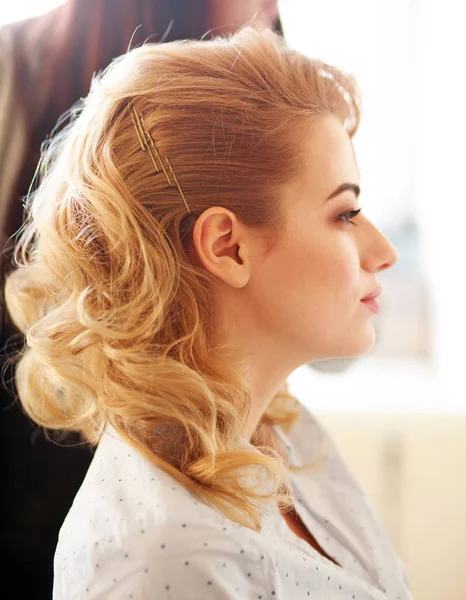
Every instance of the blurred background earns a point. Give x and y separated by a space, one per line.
399 415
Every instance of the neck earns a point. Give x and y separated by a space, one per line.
266 361
264 379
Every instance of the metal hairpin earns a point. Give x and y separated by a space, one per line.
160 163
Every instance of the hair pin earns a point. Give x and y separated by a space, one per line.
160 163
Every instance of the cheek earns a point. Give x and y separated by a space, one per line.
326 270
309 283
308 297
338 273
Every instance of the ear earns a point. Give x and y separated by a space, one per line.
220 241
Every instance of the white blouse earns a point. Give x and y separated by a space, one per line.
135 532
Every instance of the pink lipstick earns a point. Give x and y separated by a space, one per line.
371 300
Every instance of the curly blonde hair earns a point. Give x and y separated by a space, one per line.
117 319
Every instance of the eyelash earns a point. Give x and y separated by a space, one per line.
348 216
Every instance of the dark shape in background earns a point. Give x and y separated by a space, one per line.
54 57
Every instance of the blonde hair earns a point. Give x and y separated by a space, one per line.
117 320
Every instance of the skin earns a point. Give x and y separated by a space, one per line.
228 15
297 298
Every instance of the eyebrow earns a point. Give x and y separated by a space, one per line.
344 187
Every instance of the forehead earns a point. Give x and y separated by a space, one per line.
327 157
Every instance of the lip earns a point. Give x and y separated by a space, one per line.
374 294
371 300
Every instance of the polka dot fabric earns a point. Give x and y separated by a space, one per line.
134 533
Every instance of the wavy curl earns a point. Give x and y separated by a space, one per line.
117 319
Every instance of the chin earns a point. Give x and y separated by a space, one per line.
365 343
356 346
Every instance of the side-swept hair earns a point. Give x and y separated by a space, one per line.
118 321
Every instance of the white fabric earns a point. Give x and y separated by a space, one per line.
134 532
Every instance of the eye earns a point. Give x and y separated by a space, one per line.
347 217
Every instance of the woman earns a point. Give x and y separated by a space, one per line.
46 64
197 237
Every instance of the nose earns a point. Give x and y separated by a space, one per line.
378 253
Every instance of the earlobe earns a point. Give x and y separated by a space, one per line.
220 243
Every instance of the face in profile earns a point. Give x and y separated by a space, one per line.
312 291
227 15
